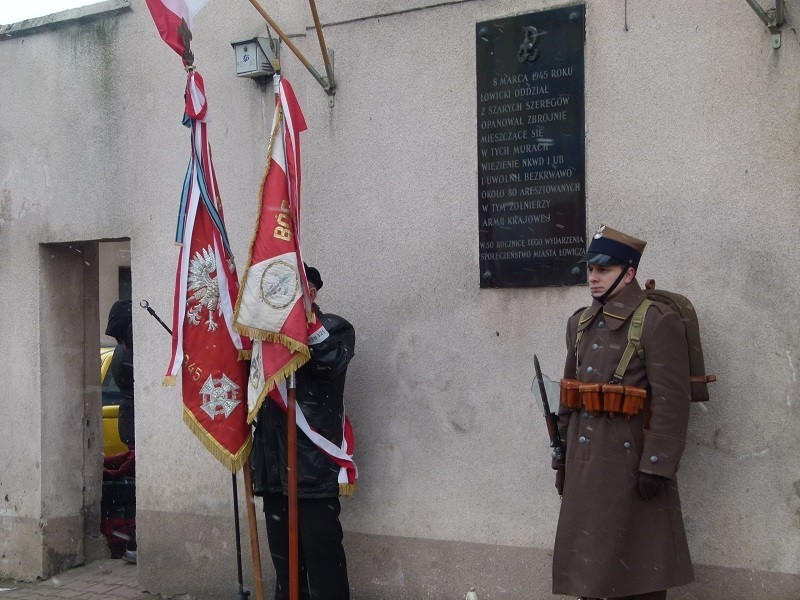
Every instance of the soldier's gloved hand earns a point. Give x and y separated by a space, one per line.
317 332
560 472
650 485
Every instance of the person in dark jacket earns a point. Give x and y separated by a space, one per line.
620 530
120 327
320 395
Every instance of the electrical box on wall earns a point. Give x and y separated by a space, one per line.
254 58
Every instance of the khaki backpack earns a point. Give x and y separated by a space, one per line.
681 305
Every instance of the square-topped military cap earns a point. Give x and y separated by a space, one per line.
612 247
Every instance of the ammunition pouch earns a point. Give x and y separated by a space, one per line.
610 398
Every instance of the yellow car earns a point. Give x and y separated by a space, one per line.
111 397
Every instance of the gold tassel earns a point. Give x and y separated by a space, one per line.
347 489
169 381
233 462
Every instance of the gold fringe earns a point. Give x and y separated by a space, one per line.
245 354
169 381
273 135
233 462
311 317
271 336
347 489
297 361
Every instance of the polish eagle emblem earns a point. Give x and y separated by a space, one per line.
204 288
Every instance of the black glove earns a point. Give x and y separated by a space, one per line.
560 479
650 485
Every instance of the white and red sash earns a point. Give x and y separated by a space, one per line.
341 455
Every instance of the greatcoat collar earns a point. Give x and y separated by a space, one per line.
618 309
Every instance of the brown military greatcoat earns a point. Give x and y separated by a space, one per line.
609 541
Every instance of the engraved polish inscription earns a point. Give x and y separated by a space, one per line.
531 149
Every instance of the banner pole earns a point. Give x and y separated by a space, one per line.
291 466
291 45
325 55
251 513
255 548
242 595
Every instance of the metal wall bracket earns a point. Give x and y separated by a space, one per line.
328 83
773 18
331 91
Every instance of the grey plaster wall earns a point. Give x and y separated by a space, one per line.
692 130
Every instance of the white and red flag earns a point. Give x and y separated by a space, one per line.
206 350
174 19
273 306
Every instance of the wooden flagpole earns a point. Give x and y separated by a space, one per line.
255 549
270 21
291 466
325 54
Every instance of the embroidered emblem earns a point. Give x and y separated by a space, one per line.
599 233
204 287
219 396
256 370
279 284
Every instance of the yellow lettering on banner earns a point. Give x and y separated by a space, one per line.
284 229
195 371
283 234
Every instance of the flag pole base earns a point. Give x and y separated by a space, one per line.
243 595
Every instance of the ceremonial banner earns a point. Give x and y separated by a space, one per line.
205 347
273 306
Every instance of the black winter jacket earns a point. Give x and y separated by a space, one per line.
320 395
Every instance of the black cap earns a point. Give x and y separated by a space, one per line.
612 247
313 276
120 318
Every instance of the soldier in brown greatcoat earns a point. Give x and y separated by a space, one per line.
620 531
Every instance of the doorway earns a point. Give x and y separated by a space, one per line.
78 283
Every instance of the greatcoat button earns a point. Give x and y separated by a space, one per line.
589 369
626 445
595 346
601 324
654 459
586 415
582 440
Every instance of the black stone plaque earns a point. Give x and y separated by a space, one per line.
531 161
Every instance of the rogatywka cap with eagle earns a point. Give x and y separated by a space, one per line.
612 247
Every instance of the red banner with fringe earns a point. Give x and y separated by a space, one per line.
273 306
206 350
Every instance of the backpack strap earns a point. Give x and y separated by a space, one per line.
634 340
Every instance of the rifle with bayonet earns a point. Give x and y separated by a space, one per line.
550 417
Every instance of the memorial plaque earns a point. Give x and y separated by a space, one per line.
531 162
